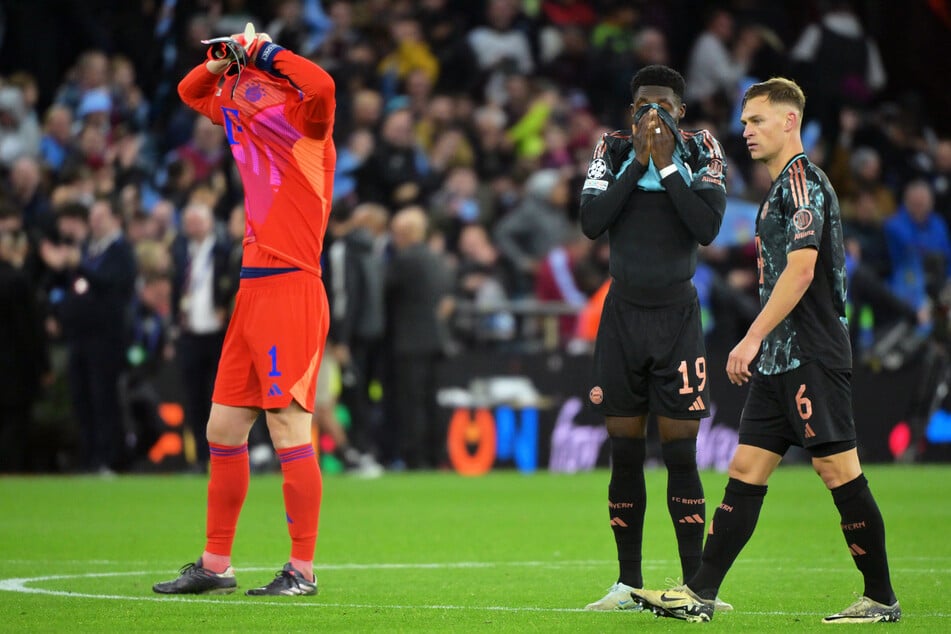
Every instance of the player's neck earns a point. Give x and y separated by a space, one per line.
775 165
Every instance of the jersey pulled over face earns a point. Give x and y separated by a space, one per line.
663 96
286 162
801 211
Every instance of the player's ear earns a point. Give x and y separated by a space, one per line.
792 121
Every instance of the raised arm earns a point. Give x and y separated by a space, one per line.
313 115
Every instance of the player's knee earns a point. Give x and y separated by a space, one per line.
671 429
680 455
625 426
836 470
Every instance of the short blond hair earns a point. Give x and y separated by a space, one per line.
778 90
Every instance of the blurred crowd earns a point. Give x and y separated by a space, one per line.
464 130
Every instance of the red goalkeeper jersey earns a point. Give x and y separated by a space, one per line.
280 135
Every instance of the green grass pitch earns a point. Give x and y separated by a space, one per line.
439 552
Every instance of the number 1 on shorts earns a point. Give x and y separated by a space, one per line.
273 354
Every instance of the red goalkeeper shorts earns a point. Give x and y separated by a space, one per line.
274 343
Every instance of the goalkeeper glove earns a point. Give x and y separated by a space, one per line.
259 49
221 48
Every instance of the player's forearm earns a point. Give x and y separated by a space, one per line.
316 110
196 89
599 212
792 284
702 211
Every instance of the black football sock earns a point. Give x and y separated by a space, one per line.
685 502
627 496
732 526
864 532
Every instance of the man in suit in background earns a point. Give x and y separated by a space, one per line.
417 291
93 317
202 289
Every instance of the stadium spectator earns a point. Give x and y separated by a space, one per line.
300 25
129 106
801 393
481 280
93 150
649 354
495 156
350 158
650 47
851 72
93 317
539 223
613 42
56 143
499 46
865 175
340 39
569 68
89 74
145 357
720 57
558 279
409 52
396 172
205 151
283 111
460 202
19 131
445 30
417 288
530 107
864 233
24 364
355 286
919 248
164 221
203 287
28 194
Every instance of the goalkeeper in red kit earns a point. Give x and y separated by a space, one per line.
277 109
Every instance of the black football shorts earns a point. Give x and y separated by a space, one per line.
650 359
809 406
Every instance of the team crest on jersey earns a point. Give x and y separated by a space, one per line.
597 169
254 92
596 395
802 219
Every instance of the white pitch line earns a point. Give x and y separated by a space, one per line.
553 563
21 585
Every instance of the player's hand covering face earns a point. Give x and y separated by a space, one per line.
655 130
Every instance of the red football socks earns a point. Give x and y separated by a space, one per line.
227 487
302 492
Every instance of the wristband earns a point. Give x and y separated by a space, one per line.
667 171
265 57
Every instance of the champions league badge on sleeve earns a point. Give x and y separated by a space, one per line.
596 171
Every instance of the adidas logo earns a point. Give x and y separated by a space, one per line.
856 550
275 390
691 519
617 521
697 406
809 433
